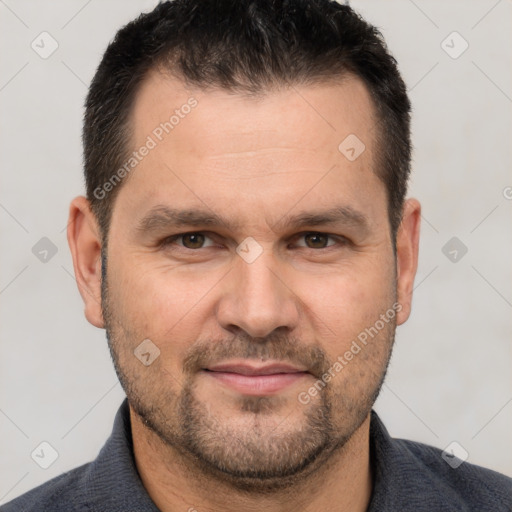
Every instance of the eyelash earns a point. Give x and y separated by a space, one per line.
341 240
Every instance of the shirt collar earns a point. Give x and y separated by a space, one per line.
401 478
113 483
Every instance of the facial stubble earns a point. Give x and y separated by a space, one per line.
272 453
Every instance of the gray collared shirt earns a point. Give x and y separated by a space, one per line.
408 476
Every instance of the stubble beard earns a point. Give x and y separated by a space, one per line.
258 459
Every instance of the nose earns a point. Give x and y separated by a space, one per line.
258 298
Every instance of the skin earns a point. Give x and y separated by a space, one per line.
199 443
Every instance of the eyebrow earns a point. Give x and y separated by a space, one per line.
163 217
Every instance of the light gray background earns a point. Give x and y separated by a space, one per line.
449 377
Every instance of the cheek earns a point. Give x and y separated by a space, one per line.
174 307
162 304
344 304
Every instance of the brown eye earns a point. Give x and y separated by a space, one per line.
316 240
193 240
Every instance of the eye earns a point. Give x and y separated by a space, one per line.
319 240
199 240
194 240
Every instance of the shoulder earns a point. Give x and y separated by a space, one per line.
63 493
473 487
414 476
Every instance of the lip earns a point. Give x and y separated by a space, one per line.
244 368
256 380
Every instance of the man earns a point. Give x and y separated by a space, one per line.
247 245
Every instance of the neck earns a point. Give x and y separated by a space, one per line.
175 482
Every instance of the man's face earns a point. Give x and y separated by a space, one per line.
246 327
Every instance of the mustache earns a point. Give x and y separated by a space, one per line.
276 347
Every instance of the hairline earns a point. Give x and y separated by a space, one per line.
163 67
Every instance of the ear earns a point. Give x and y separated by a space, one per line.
407 245
85 243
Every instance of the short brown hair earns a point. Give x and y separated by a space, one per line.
246 46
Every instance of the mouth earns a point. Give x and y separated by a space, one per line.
256 380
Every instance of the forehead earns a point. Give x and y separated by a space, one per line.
314 113
222 148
